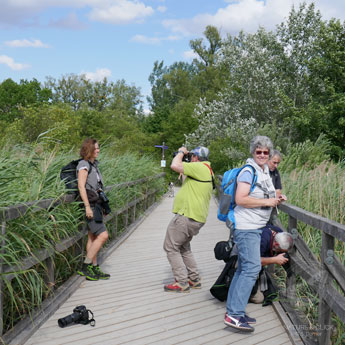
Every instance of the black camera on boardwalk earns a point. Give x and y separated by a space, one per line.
80 315
186 157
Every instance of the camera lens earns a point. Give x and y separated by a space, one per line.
65 321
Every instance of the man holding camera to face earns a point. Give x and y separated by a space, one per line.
274 247
191 206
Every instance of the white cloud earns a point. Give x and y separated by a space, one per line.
99 75
152 40
147 112
145 39
24 43
28 12
190 55
6 60
248 15
120 12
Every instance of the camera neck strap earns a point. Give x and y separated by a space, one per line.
212 176
91 321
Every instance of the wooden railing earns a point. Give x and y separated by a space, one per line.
326 277
129 212
321 275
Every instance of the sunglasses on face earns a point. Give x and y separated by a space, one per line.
259 152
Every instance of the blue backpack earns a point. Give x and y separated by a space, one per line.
227 195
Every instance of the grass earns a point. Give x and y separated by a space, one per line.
31 173
320 190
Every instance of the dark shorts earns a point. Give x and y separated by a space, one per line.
95 228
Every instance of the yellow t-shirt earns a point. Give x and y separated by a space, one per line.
193 199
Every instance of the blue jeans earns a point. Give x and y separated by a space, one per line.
249 266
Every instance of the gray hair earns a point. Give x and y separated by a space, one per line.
285 240
276 153
261 141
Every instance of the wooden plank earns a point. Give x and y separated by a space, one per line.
337 270
132 306
330 227
27 263
305 252
324 317
24 329
288 325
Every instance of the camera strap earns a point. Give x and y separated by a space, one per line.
209 181
91 321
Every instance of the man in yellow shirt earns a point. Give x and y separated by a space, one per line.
191 208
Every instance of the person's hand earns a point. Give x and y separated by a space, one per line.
183 149
89 213
282 198
280 259
271 202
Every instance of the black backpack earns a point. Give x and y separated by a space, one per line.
221 287
68 174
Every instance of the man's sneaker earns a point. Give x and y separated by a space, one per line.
195 284
249 320
87 271
239 323
101 275
177 287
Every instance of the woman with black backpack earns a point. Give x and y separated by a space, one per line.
90 186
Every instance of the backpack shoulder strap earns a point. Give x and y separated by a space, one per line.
212 174
255 176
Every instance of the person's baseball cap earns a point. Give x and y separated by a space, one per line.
201 152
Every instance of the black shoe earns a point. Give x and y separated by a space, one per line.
87 271
101 275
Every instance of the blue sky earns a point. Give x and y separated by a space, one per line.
121 39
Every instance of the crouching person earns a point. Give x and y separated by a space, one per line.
274 247
191 209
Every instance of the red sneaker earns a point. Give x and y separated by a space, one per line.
195 284
177 287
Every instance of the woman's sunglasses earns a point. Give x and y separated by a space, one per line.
259 152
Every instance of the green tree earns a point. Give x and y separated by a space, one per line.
14 96
78 91
56 123
327 81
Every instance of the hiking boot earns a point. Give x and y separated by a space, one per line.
101 275
87 271
238 322
195 284
177 287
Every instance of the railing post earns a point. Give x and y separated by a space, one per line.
146 196
2 252
126 213
116 224
134 209
49 277
291 277
327 249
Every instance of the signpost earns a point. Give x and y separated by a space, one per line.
163 147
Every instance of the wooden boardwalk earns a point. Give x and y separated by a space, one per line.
132 307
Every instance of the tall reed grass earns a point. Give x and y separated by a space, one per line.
320 190
31 173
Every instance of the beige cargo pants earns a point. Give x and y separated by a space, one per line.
179 234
